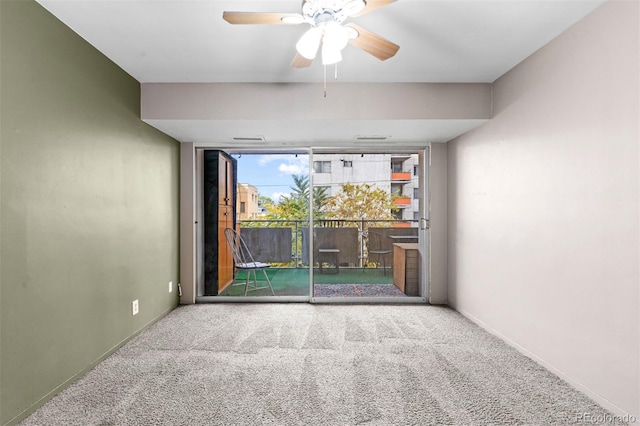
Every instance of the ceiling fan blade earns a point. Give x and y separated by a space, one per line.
373 5
373 44
262 18
300 61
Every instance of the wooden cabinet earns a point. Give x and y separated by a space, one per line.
225 179
219 213
406 268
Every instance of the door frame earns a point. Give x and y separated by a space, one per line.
193 154
423 240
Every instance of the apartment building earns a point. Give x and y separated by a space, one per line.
247 206
396 174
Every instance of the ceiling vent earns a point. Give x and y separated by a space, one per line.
249 139
374 138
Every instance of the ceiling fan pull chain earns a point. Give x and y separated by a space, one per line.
324 67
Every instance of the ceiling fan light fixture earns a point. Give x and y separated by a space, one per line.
335 35
308 44
330 55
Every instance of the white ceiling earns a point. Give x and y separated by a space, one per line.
440 41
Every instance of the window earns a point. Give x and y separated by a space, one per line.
396 167
346 163
242 207
322 166
416 215
416 193
416 170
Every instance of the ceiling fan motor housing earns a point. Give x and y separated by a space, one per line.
322 11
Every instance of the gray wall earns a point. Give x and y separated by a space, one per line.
89 209
543 209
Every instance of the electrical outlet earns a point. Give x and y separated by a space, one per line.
134 307
170 286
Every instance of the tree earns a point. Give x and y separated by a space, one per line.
264 201
296 204
319 201
360 202
295 207
301 186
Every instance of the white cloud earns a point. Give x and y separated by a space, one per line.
289 163
291 169
268 158
264 160
277 195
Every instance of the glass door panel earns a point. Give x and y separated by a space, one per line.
271 209
366 217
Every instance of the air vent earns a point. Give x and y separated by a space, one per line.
249 139
375 138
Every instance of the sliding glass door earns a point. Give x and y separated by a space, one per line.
318 225
369 239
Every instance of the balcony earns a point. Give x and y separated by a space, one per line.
401 224
285 245
402 202
400 176
285 242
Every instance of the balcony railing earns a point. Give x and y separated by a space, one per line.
285 242
402 202
401 176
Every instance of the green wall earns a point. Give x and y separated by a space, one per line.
89 209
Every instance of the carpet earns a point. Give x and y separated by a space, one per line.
304 364
357 290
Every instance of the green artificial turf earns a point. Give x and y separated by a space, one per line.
295 281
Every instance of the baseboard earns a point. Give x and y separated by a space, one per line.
599 399
33 407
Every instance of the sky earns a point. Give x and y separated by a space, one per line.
271 173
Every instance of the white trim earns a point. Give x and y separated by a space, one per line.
187 224
354 300
311 225
252 299
424 209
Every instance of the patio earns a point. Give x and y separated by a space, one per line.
353 268
295 282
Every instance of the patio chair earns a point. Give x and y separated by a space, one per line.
327 250
245 261
376 248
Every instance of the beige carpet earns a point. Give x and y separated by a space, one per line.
302 364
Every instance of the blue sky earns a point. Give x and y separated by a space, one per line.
271 173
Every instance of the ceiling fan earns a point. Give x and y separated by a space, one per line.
327 32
